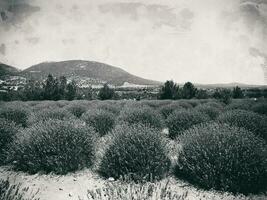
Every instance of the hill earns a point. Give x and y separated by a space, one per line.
7 70
87 72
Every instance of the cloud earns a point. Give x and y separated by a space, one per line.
254 14
16 11
201 41
3 49
33 40
256 53
157 14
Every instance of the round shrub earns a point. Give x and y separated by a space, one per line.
46 114
194 102
50 105
168 109
110 107
62 103
240 104
136 152
53 146
141 115
16 113
32 103
224 158
179 121
214 104
76 109
8 130
212 112
185 104
134 104
249 120
260 108
155 104
102 121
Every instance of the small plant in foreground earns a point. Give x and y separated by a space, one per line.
14 192
102 121
147 191
179 121
137 152
53 146
221 157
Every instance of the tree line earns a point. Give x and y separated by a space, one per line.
60 88
55 89
171 90
51 89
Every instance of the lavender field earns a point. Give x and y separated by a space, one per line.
150 149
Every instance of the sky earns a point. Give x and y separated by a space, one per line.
207 41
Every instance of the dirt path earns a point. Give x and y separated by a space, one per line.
51 187
75 185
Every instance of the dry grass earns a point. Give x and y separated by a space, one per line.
149 191
15 192
167 189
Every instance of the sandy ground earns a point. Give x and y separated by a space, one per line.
75 186
70 186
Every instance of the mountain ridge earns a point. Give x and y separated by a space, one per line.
100 72
6 70
89 72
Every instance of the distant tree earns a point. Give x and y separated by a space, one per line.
264 93
33 90
5 95
169 90
89 94
202 94
85 93
71 90
255 93
62 87
189 90
226 96
51 88
48 87
217 93
223 95
106 92
237 93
